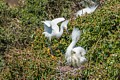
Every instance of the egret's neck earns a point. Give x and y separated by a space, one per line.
60 32
72 44
70 47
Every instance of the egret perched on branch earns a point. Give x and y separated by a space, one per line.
87 10
75 56
51 29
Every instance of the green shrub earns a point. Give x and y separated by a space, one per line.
26 50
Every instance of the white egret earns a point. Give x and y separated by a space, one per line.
75 56
87 10
51 29
62 27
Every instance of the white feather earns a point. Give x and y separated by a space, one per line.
75 34
47 23
52 29
64 24
58 20
75 56
54 23
79 50
87 10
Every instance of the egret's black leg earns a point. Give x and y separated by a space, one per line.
49 46
51 51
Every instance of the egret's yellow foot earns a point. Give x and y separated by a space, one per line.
48 51
53 57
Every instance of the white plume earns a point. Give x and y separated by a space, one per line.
87 10
75 34
75 56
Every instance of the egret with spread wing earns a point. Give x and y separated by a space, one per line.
75 56
51 29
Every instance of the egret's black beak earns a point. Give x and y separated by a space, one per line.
66 29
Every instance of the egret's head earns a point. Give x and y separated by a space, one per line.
65 27
64 24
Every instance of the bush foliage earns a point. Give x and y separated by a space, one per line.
24 51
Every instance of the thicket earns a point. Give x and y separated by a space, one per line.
23 50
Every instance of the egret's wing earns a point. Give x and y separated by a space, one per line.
93 8
87 10
82 60
79 50
54 27
47 29
54 23
57 20
47 23
83 11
